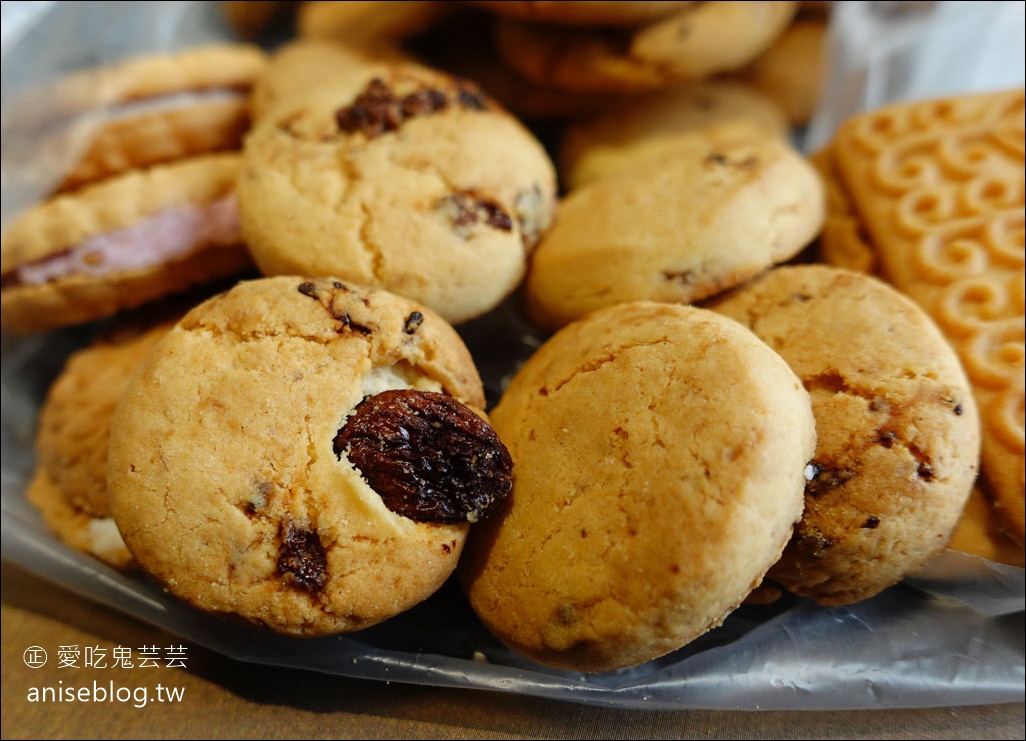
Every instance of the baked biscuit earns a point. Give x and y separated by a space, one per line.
933 190
658 455
411 180
898 429
692 44
303 454
361 22
584 12
705 218
120 243
136 113
70 486
980 532
643 129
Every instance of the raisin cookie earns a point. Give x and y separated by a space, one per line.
304 454
898 429
411 180
70 486
659 453
705 217
122 242
692 44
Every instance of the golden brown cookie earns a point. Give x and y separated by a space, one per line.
643 129
936 191
304 454
584 12
980 532
70 485
120 243
898 430
141 111
360 22
410 180
696 42
793 70
705 218
658 454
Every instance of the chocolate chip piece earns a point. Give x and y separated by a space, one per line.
413 322
465 210
302 556
429 457
373 112
871 523
824 478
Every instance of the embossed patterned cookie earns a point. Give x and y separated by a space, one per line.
694 43
659 452
412 181
932 192
305 455
70 486
898 430
706 217
120 243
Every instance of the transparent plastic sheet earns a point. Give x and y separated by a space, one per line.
952 635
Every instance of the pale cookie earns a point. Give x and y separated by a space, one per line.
659 452
644 129
692 44
140 112
702 220
584 12
412 181
74 419
936 189
793 71
122 242
304 455
95 535
898 430
303 65
361 22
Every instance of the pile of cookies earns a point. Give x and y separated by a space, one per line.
758 371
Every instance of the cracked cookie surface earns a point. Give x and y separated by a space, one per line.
222 473
658 454
401 178
898 429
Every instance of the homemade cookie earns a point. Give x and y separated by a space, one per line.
584 12
898 430
793 70
932 192
644 129
304 454
705 218
694 43
138 112
70 485
411 180
122 242
658 455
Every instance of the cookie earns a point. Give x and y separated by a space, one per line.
793 70
643 128
705 218
70 485
304 454
898 429
412 181
303 65
145 110
692 44
980 532
359 22
934 191
252 19
119 243
584 12
658 453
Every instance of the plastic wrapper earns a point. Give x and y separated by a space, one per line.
951 635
